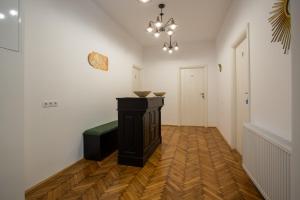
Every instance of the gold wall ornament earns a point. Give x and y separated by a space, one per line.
98 61
281 24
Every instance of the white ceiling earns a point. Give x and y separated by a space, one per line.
198 20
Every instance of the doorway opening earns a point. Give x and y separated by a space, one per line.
241 94
193 96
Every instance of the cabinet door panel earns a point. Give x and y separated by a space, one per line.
129 135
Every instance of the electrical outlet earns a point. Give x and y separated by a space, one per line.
45 104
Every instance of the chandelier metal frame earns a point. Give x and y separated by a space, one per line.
170 46
158 26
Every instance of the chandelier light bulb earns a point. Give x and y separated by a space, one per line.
144 1
156 34
170 32
176 47
170 51
165 48
149 29
158 23
173 25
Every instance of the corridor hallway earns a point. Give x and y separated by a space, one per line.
191 163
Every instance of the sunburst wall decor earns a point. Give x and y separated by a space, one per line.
281 24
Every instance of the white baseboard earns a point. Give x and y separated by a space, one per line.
212 124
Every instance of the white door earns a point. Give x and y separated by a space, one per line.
136 79
193 97
242 92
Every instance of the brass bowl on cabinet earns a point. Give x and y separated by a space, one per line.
142 93
159 94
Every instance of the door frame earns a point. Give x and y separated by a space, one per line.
136 67
244 35
204 67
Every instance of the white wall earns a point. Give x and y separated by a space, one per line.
59 35
161 73
295 5
12 123
270 70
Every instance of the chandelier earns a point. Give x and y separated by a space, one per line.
157 27
170 46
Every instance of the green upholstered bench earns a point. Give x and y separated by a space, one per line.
100 141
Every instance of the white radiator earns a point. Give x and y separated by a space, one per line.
267 159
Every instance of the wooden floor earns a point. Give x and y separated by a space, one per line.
192 163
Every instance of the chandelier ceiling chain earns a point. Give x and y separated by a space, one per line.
157 27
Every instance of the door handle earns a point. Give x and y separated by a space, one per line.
247 98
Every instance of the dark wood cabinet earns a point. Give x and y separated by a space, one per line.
139 129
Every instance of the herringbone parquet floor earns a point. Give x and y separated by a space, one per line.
192 163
